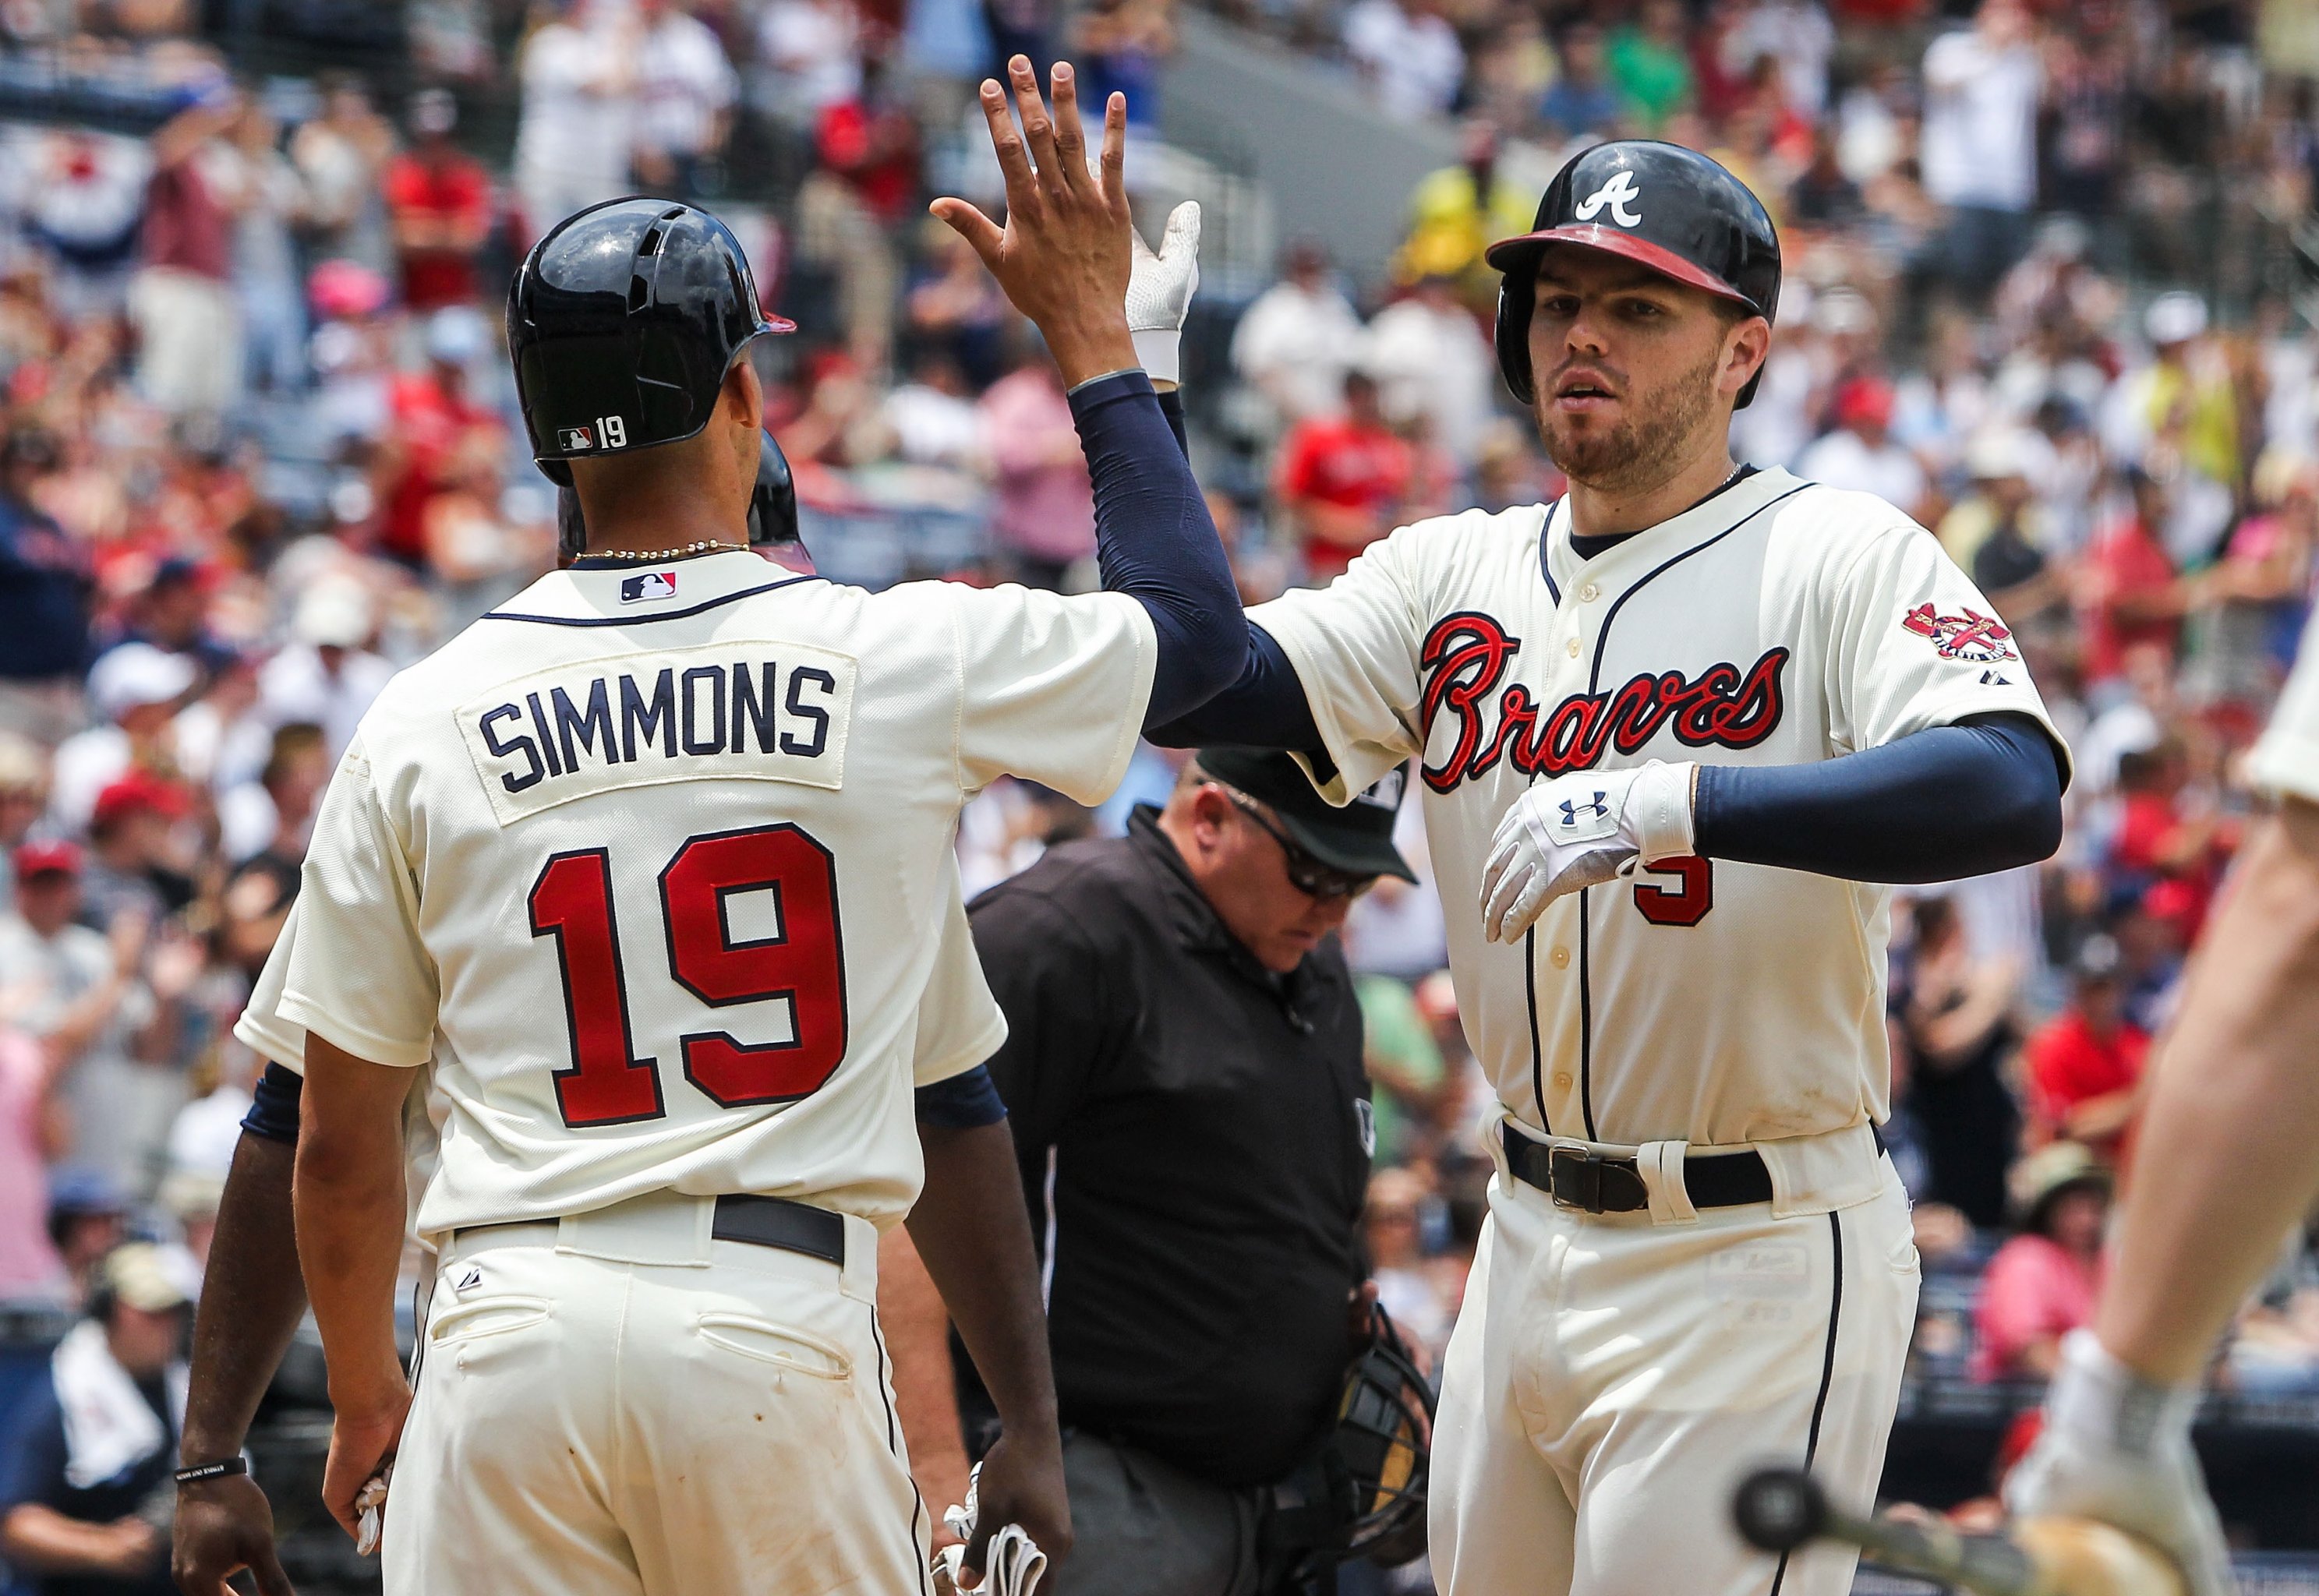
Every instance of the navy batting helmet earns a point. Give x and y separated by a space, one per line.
1659 205
622 322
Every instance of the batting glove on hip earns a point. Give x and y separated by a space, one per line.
1579 831
1160 288
2118 1448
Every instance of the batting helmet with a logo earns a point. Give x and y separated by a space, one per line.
622 322
1659 205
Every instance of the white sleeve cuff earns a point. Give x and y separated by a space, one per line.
1156 353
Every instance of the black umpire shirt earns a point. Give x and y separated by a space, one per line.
1194 1139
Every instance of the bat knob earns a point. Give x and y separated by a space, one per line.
1777 1509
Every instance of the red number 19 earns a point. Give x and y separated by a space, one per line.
802 963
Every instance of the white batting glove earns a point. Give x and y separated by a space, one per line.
2118 1448
1160 288
1579 831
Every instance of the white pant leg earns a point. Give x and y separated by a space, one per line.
1703 1352
608 1428
1498 1516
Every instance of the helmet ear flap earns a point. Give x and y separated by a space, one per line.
1517 295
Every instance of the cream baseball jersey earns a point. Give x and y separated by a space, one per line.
1776 622
2287 758
655 869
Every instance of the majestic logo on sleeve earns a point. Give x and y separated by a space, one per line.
1973 637
1466 656
1615 193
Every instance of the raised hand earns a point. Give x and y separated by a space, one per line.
1065 252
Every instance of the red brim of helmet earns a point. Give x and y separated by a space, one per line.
1509 255
778 323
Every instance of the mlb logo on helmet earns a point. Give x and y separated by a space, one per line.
576 438
647 584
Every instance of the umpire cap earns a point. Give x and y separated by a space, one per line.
622 322
1356 839
1659 205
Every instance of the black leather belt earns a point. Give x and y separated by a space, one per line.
1601 1183
762 1222
776 1221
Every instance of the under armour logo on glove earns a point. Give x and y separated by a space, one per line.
1615 193
1571 807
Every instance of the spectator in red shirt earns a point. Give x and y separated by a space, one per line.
2135 595
1343 480
2041 1284
2158 838
2084 1063
438 200
435 420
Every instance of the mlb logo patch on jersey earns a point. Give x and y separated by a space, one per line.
576 438
647 585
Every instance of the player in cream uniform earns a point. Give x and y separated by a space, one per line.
1667 757
654 865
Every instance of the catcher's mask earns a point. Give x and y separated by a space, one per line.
1378 1457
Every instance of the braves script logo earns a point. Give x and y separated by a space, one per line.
1978 638
1466 656
1615 193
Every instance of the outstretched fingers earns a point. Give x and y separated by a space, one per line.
1038 124
1070 133
1007 142
1114 154
984 236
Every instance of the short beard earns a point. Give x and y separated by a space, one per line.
1645 448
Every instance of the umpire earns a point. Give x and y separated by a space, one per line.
1183 1073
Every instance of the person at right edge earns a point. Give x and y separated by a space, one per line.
1676 731
2227 1163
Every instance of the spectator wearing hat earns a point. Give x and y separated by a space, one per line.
88 1217
2085 1064
86 1468
83 993
327 674
1183 1071
440 206
1859 453
138 688
172 613
2041 1284
132 868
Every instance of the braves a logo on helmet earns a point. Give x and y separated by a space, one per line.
1617 194
1971 636
1466 656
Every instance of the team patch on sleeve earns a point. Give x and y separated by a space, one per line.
1968 637
717 711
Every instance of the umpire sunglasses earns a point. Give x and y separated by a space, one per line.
1307 874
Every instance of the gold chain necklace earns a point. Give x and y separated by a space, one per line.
646 556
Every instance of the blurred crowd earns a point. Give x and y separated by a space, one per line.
258 449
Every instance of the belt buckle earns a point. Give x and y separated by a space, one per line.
1595 1184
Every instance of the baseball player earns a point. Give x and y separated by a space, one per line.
1672 731
2227 1163
652 863
254 1297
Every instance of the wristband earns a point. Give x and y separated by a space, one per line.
1155 350
223 1467
1657 813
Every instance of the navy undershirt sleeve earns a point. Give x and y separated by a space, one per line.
1938 805
963 1103
1155 541
1264 708
274 1105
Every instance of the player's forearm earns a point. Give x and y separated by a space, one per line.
1264 708
1937 805
38 1538
350 1206
1156 541
2225 1162
252 1297
974 1236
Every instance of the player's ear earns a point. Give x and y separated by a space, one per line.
742 393
1746 345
